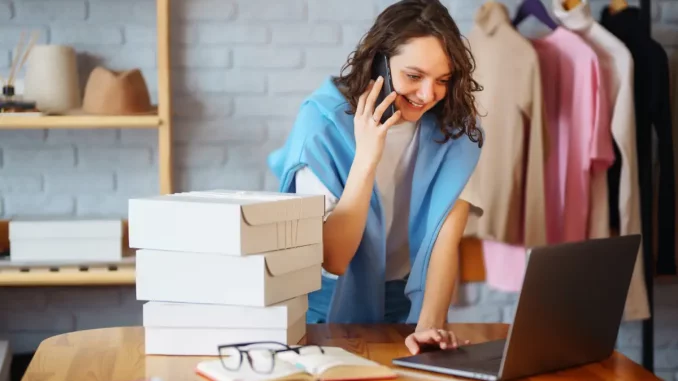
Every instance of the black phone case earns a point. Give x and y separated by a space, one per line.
380 68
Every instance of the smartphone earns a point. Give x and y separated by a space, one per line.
381 68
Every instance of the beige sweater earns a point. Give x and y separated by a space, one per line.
510 172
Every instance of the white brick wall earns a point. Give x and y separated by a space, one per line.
239 70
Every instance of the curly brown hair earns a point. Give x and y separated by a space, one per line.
397 24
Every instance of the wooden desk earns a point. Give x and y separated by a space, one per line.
117 354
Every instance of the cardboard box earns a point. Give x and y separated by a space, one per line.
226 222
198 315
253 280
205 341
45 238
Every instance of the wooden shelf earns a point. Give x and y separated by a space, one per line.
80 122
117 278
105 274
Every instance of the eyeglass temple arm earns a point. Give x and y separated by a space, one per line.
253 343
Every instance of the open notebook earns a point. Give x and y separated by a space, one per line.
335 364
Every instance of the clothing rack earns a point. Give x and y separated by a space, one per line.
647 221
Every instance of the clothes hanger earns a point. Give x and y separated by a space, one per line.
617 5
571 4
534 8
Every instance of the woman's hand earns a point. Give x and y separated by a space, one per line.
432 337
370 134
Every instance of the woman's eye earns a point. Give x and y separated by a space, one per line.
413 77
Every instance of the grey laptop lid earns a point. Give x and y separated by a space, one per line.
571 305
568 314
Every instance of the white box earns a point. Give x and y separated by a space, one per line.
199 315
226 222
205 341
253 280
62 238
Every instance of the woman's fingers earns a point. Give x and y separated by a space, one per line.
446 338
455 342
440 337
372 97
411 344
381 108
391 121
360 108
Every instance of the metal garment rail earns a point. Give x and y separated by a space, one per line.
648 249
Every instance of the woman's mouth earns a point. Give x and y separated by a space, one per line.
414 104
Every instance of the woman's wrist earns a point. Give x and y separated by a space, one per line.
424 325
364 169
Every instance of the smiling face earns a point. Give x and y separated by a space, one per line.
421 71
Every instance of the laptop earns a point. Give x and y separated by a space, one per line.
568 314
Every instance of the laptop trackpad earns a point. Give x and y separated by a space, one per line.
483 357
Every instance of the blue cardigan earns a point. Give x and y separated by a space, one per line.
322 138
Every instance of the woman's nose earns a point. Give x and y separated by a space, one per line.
425 92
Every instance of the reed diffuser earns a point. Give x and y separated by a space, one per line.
9 101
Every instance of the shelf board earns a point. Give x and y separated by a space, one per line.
65 273
80 122
121 277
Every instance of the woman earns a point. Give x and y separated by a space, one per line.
395 192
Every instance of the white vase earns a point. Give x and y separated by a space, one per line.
52 78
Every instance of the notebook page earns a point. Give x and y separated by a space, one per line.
214 370
318 363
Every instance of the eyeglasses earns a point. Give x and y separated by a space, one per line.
260 355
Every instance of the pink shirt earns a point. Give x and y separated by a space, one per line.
580 142
579 129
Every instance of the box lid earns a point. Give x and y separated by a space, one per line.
34 227
288 260
258 207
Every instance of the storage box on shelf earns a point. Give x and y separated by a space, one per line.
69 239
232 266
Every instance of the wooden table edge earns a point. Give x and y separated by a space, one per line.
636 369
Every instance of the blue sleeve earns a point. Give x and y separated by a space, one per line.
313 142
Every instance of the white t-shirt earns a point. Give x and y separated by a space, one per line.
394 186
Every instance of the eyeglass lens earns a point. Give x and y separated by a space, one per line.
259 358
231 358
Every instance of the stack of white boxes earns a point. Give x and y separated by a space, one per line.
220 267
